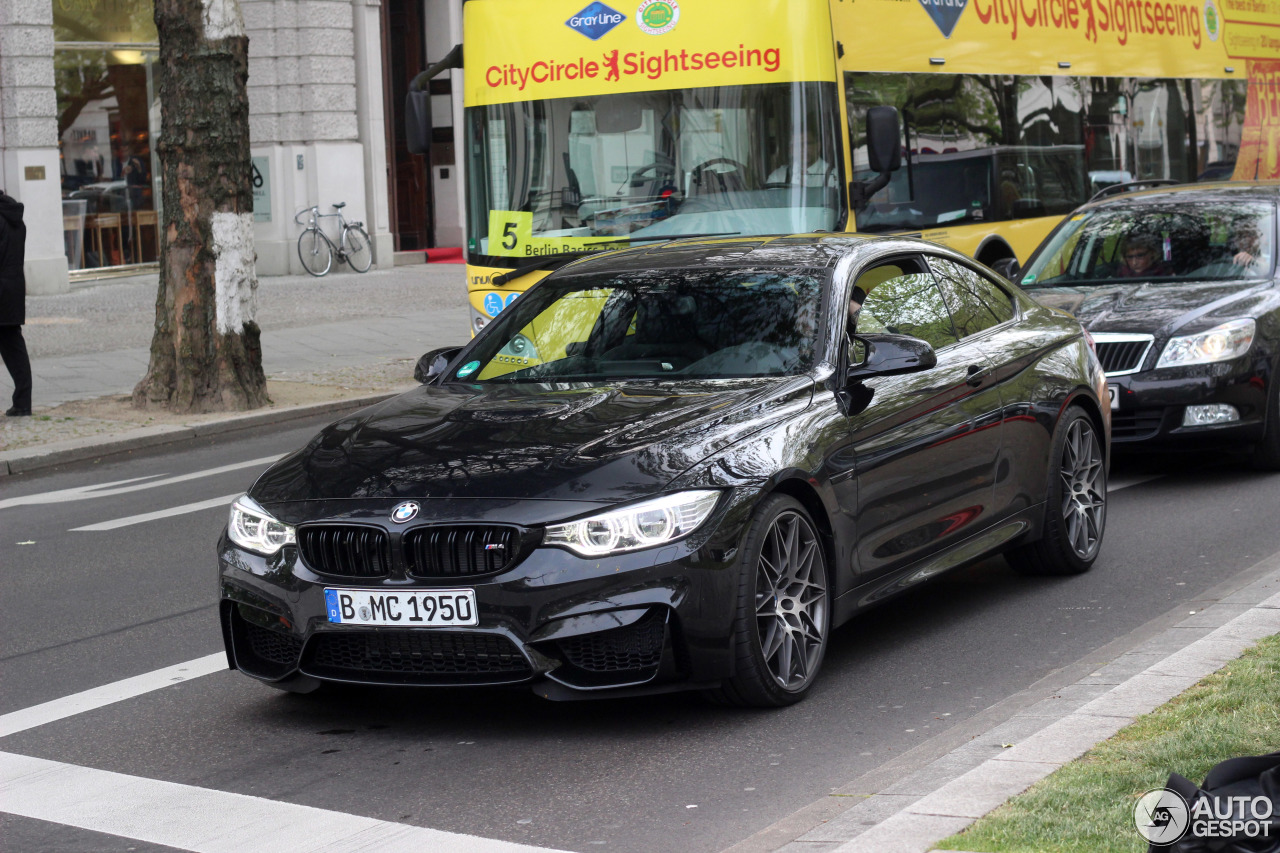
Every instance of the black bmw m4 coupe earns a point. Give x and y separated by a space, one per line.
676 468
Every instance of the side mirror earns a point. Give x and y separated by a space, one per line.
434 363
891 355
417 121
884 154
1008 267
884 140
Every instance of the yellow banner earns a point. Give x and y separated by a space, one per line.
1122 38
1259 157
523 50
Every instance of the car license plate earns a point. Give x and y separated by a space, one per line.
403 607
1114 393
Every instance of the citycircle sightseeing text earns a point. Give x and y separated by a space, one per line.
614 65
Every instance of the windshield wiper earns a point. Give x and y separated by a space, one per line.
573 254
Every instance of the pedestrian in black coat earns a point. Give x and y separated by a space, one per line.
13 307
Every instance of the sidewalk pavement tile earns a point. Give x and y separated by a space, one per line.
982 789
859 818
929 777
905 833
1211 653
1067 699
1139 695
1065 740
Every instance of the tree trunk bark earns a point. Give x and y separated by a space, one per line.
206 354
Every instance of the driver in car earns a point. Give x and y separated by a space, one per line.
1141 258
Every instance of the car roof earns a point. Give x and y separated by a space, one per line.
1221 191
795 251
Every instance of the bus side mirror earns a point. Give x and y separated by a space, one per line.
417 121
884 141
884 154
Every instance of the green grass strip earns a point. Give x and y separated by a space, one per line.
1087 805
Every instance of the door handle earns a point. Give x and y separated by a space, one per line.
976 374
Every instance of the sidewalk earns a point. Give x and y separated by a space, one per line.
344 337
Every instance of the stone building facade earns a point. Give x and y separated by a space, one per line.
79 115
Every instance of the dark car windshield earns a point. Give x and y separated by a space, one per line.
1173 242
655 324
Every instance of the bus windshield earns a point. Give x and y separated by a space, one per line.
568 174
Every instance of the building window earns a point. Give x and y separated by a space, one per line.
108 120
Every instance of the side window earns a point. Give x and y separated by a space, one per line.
975 302
905 304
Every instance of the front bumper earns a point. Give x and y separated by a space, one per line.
1150 405
569 626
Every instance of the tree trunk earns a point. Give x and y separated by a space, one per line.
206 354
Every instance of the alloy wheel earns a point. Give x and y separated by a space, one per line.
1084 489
791 601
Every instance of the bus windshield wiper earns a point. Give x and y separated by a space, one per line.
573 254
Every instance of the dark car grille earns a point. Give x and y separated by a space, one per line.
1122 356
1139 424
634 647
415 657
273 646
345 550
450 552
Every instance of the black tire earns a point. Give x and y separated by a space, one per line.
778 640
1266 454
359 248
314 252
1075 513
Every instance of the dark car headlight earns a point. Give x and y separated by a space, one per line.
642 525
254 529
1221 343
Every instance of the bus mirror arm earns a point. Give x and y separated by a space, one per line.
417 103
860 192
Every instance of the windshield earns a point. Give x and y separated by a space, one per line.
572 173
657 324
1171 242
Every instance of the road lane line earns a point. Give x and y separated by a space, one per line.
209 821
158 514
108 694
120 487
1126 482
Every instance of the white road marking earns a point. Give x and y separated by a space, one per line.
120 487
107 694
158 514
1126 482
208 821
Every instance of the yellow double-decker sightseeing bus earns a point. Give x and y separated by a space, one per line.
602 125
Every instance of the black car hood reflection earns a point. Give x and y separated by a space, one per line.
604 443
1147 307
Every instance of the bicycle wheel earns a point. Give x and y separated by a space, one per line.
314 252
359 249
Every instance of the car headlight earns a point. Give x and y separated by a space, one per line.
254 529
642 525
1220 343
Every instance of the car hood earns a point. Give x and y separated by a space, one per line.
605 443
1153 308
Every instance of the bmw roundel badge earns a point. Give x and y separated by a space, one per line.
404 512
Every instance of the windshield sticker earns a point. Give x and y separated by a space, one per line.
511 236
595 20
658 17
493 304
467 369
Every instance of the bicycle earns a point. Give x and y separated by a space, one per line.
316 249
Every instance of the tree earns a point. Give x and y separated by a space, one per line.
206 353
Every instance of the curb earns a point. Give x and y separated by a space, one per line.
30 459
912 813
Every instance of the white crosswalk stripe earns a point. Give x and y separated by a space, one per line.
128 520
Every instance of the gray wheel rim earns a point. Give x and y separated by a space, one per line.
791 601
1084 489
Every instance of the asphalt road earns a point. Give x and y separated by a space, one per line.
85 608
